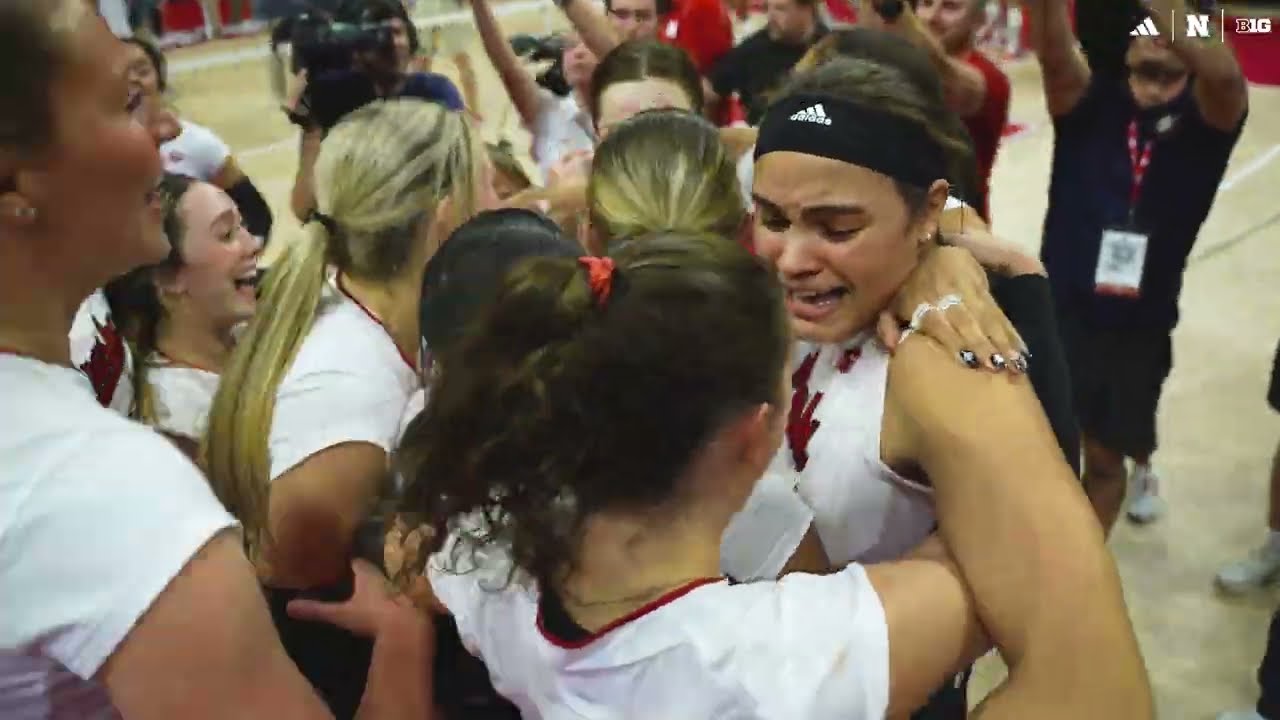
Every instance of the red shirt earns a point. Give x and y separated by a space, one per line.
701 28
986 126
842 12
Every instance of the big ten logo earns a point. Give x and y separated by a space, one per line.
1253 25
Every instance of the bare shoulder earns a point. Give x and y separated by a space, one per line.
209 622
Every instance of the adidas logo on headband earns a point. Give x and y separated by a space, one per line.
813 114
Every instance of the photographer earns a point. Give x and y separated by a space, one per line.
375 73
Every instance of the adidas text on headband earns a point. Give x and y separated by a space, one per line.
854 133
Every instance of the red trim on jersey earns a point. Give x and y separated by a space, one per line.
403 355
665 599
171 361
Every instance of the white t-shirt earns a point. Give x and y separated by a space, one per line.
97 516
561 127
746 175
808 646
183 396
347 384
101 353
197 153
116 13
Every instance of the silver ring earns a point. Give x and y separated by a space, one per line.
947 301
917 316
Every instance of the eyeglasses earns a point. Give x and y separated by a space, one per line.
1155 72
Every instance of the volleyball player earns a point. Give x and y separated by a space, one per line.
126 592
197 151
181 315
313 397
586 574
844 209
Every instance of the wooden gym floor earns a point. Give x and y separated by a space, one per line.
1217 434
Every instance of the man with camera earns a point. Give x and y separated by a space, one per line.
346 63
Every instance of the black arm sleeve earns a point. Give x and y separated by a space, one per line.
1027 301
253 208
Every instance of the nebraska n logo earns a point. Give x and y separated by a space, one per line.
1146 28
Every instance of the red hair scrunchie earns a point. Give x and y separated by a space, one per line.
599 276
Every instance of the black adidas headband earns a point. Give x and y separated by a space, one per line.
854 133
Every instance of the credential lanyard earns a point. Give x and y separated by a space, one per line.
1139 160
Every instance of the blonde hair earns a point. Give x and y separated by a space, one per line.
664 171
380 175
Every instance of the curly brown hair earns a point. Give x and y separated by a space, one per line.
555 407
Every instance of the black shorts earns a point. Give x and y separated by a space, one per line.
1117 376
1273 391
333 660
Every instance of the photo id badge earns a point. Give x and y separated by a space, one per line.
1121 258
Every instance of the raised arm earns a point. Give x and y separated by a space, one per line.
588 18
521 87
964 85
1023 535
1221 92
1064 69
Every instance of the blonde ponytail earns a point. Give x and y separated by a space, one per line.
381 174
234 451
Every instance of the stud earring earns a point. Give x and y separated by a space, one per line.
25 213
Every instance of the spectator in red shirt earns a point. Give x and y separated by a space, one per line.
701 28
976 89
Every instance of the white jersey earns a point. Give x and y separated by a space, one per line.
561 127
863 511
348 383
182 396
808 646
97 515
100 352
197 153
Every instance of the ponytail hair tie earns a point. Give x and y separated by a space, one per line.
599 276
325 221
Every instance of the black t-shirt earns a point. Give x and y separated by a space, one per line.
1090 188
329 97
756 67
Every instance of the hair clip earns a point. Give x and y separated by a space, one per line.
599 276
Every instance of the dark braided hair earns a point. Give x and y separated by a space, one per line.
135 300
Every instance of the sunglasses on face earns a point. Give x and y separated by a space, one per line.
1156 73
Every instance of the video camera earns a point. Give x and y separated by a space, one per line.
321 44
535 49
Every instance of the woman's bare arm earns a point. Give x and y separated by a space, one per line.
1022 533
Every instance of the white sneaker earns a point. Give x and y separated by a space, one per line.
1259 569
1145 504
1240 715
